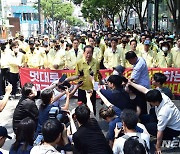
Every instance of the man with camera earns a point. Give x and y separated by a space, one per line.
54 133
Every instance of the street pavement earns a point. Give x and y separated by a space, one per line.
6 121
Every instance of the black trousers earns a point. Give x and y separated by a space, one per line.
4 77
168 133
1 84
150 121
82 97
14 78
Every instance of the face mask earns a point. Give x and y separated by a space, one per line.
165 49
134 35
16 50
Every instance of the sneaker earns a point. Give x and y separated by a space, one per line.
12 97
1 97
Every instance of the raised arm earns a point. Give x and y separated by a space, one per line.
142 89
66 106
104 99
6 97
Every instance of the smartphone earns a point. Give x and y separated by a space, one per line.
63 77
80 82
119 125
81 73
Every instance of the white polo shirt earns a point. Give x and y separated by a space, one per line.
119 143
167 114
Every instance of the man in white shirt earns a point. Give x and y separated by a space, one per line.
53 132
168 116
129 121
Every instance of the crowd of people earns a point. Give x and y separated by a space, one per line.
133 111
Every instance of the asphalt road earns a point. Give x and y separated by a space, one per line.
7 113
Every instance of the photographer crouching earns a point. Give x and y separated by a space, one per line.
51 107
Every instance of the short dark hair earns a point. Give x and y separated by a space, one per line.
114 39
130 55
91 38
89 46
13 45
130 118
76 40
116 80
46 96
154 95
160 77
82 113
133 41
135 146
27 89
51 130
106 112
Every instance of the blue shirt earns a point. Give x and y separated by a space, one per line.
140 73
118 97
112 125
44 116
19 151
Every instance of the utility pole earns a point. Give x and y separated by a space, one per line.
39 15
156 12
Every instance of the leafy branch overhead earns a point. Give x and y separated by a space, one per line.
57 9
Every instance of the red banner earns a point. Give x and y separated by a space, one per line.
44 77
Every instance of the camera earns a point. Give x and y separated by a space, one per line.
80 82
91 73
64 85
56 113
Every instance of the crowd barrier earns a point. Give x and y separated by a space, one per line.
44 77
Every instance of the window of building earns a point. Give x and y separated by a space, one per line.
35 16
26 16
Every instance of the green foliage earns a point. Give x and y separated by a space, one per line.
56 9
95 9
74 21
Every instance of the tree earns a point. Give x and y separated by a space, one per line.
74 21
97 9
56 9
174 7
136 5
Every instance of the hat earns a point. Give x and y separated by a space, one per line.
3 132
147 42
46 36
83 35
120 69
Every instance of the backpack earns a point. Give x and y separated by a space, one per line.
142 141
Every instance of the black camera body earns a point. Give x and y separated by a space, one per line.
64 85
56 113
